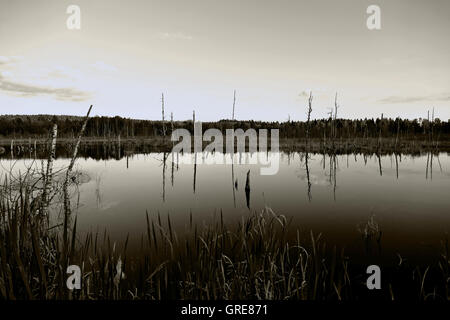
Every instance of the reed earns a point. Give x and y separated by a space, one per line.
260 257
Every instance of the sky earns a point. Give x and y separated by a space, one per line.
197 52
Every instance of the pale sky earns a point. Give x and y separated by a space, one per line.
273 52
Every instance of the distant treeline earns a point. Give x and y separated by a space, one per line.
38 126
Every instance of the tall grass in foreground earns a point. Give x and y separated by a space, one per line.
254 259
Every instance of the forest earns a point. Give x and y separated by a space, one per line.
38 126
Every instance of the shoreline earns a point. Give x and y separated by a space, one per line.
120 147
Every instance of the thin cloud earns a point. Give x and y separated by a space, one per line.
175 36
26 90
412 99
8 60
102 66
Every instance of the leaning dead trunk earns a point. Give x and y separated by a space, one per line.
72 163
66 191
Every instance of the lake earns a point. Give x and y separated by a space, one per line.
406 196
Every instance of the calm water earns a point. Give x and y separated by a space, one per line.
409 199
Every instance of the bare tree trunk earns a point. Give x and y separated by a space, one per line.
171 122
308 119
398 130
336 106
193 121
379 136
432 129
173 160
77 145
162 109
234 104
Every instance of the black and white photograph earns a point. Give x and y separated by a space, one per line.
248 151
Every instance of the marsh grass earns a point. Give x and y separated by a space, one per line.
253 259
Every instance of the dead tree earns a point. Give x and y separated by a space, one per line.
336 106
162 112
234 104
379 135
171 121
398 131
173 160
308 118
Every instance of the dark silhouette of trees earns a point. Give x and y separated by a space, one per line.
38 126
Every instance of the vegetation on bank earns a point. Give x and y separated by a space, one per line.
38 126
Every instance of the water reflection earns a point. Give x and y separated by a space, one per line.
337 195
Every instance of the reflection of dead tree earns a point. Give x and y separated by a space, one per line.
439 162
233 183
164 176
334 176
307 143
247 189
307 177
195 153
98 195
172 170
429 165
379 145
195 170
330 175
431 143
379 164
323 160
396 164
